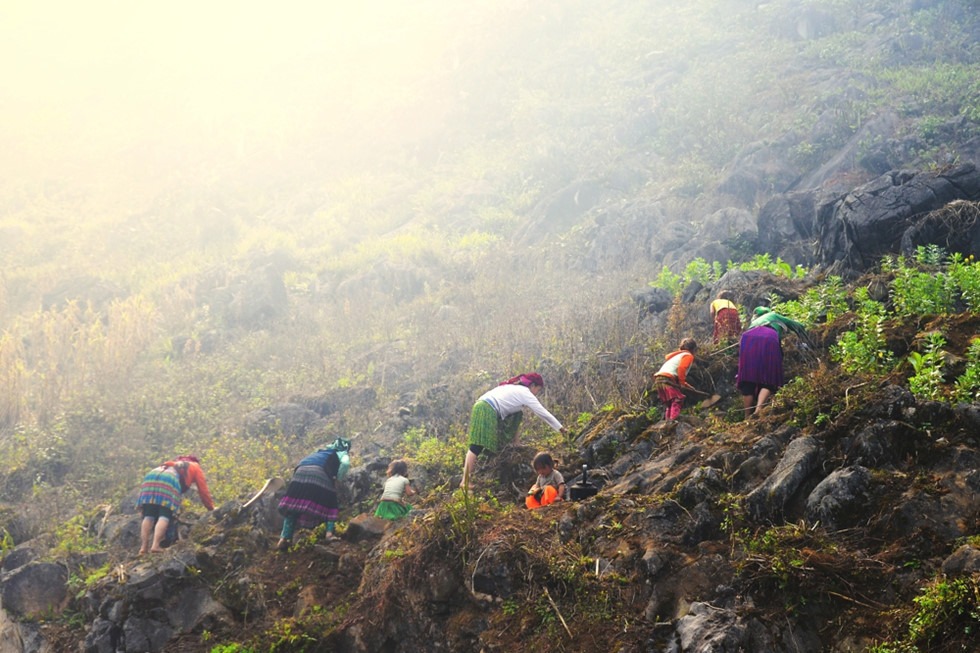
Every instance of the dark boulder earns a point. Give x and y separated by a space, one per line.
840 500
965 560
872 220
775 498
786 220
652 300
35 589
884 443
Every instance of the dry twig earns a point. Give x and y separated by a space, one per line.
554 606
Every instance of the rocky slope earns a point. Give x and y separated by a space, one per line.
814 527
844 518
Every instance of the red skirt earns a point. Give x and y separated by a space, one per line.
728 325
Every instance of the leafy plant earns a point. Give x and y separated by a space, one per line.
965 272
968 383
438 456
916 291
465 512
701 271
706 273
931 255
823 303
779 267
864 350
73 536
669 281
733 507
928 365
84 579
946 607
288 634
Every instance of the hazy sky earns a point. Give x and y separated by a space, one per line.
84 80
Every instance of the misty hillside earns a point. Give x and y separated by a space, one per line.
241 234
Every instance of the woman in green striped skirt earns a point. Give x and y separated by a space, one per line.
496 417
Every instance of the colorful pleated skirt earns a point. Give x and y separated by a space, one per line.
311 497
160 487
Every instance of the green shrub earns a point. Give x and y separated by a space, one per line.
921 288
779 267
915 293
74 536
927 381
701 271
945 608
864 350
823 303
965 272
440 457
674 283
706 273
968 383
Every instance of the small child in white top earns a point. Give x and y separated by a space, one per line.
549 485
397 487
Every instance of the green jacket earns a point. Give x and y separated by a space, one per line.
780 323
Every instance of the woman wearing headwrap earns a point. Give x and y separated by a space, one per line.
311 495
760 357
161 494
497 415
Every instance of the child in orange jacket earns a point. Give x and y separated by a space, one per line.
671 378
549 486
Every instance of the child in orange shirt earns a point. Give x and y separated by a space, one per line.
549 486
671 378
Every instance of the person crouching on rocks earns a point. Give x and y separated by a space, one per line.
671 379
397 487
497 415
726 322
311 495
161 494
549 486
760 357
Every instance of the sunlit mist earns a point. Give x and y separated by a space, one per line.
96 80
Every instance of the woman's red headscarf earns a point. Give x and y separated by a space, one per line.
529 379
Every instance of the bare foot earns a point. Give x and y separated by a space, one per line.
157 550
142 552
